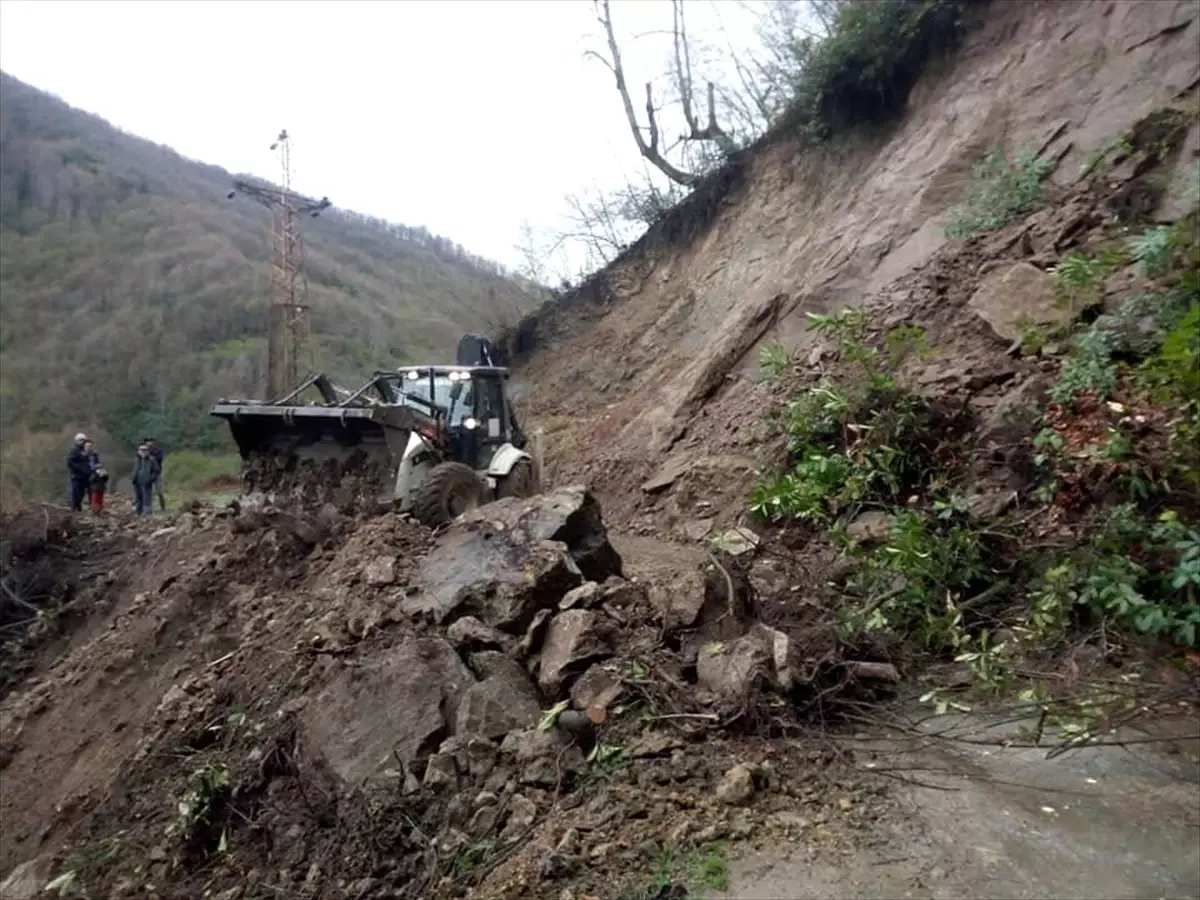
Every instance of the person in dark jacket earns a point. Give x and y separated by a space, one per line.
145 473
99 481
156 453
79 468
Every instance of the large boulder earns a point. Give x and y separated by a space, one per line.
502 578
570 515
1017 296
716 603
733 671
574 639
26 881
543 758
597 687
505 700
396 706
469 634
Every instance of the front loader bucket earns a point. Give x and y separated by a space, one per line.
304 451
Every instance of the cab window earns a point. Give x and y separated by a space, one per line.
489 405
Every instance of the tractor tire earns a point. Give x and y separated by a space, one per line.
519 482
447 492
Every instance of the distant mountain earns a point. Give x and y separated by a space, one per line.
133 293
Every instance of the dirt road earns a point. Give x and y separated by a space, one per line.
980 820
989 822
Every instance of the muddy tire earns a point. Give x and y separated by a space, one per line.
448 491
519 482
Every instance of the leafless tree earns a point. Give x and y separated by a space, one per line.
595 222
747 88
786 32
649 139
533 262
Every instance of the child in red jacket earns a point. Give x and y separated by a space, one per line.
99 479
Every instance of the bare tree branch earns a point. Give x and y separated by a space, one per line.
826 12
683 76
648 149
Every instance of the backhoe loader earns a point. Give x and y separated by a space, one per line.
439 439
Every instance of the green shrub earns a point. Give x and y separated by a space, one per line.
863 72
929 564
1089 368
773 360
1175 369
1002 193
1153 252
859 439
1139 576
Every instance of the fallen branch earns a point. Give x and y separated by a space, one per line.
24 604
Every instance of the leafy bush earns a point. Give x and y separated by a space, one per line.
1079 277
1089 368
207 787
1002 193
1144 577
946 582
863 72
856 440
1175 369
1142 323
929 563
1173 374
1152 252
773 360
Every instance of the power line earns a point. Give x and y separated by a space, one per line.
288 313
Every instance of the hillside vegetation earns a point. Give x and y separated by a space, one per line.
134 293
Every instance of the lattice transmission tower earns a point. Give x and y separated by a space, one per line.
289 322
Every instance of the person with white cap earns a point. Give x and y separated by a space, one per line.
79 468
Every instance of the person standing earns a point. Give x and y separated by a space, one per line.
145 473
80 471
99 480
156 453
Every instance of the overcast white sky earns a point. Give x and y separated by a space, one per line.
465 116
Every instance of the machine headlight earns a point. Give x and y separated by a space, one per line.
470 423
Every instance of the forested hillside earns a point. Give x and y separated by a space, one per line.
133 293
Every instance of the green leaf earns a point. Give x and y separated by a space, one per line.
62 884
550 716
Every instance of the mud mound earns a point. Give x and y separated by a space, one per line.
52 567
344 707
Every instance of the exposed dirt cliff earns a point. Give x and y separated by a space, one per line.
624 372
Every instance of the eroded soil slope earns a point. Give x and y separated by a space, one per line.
663 357
249 702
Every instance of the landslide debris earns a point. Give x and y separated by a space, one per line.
990 465
303 702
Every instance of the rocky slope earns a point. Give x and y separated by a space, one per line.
238 704
673 327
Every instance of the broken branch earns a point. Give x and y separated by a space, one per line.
648 149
